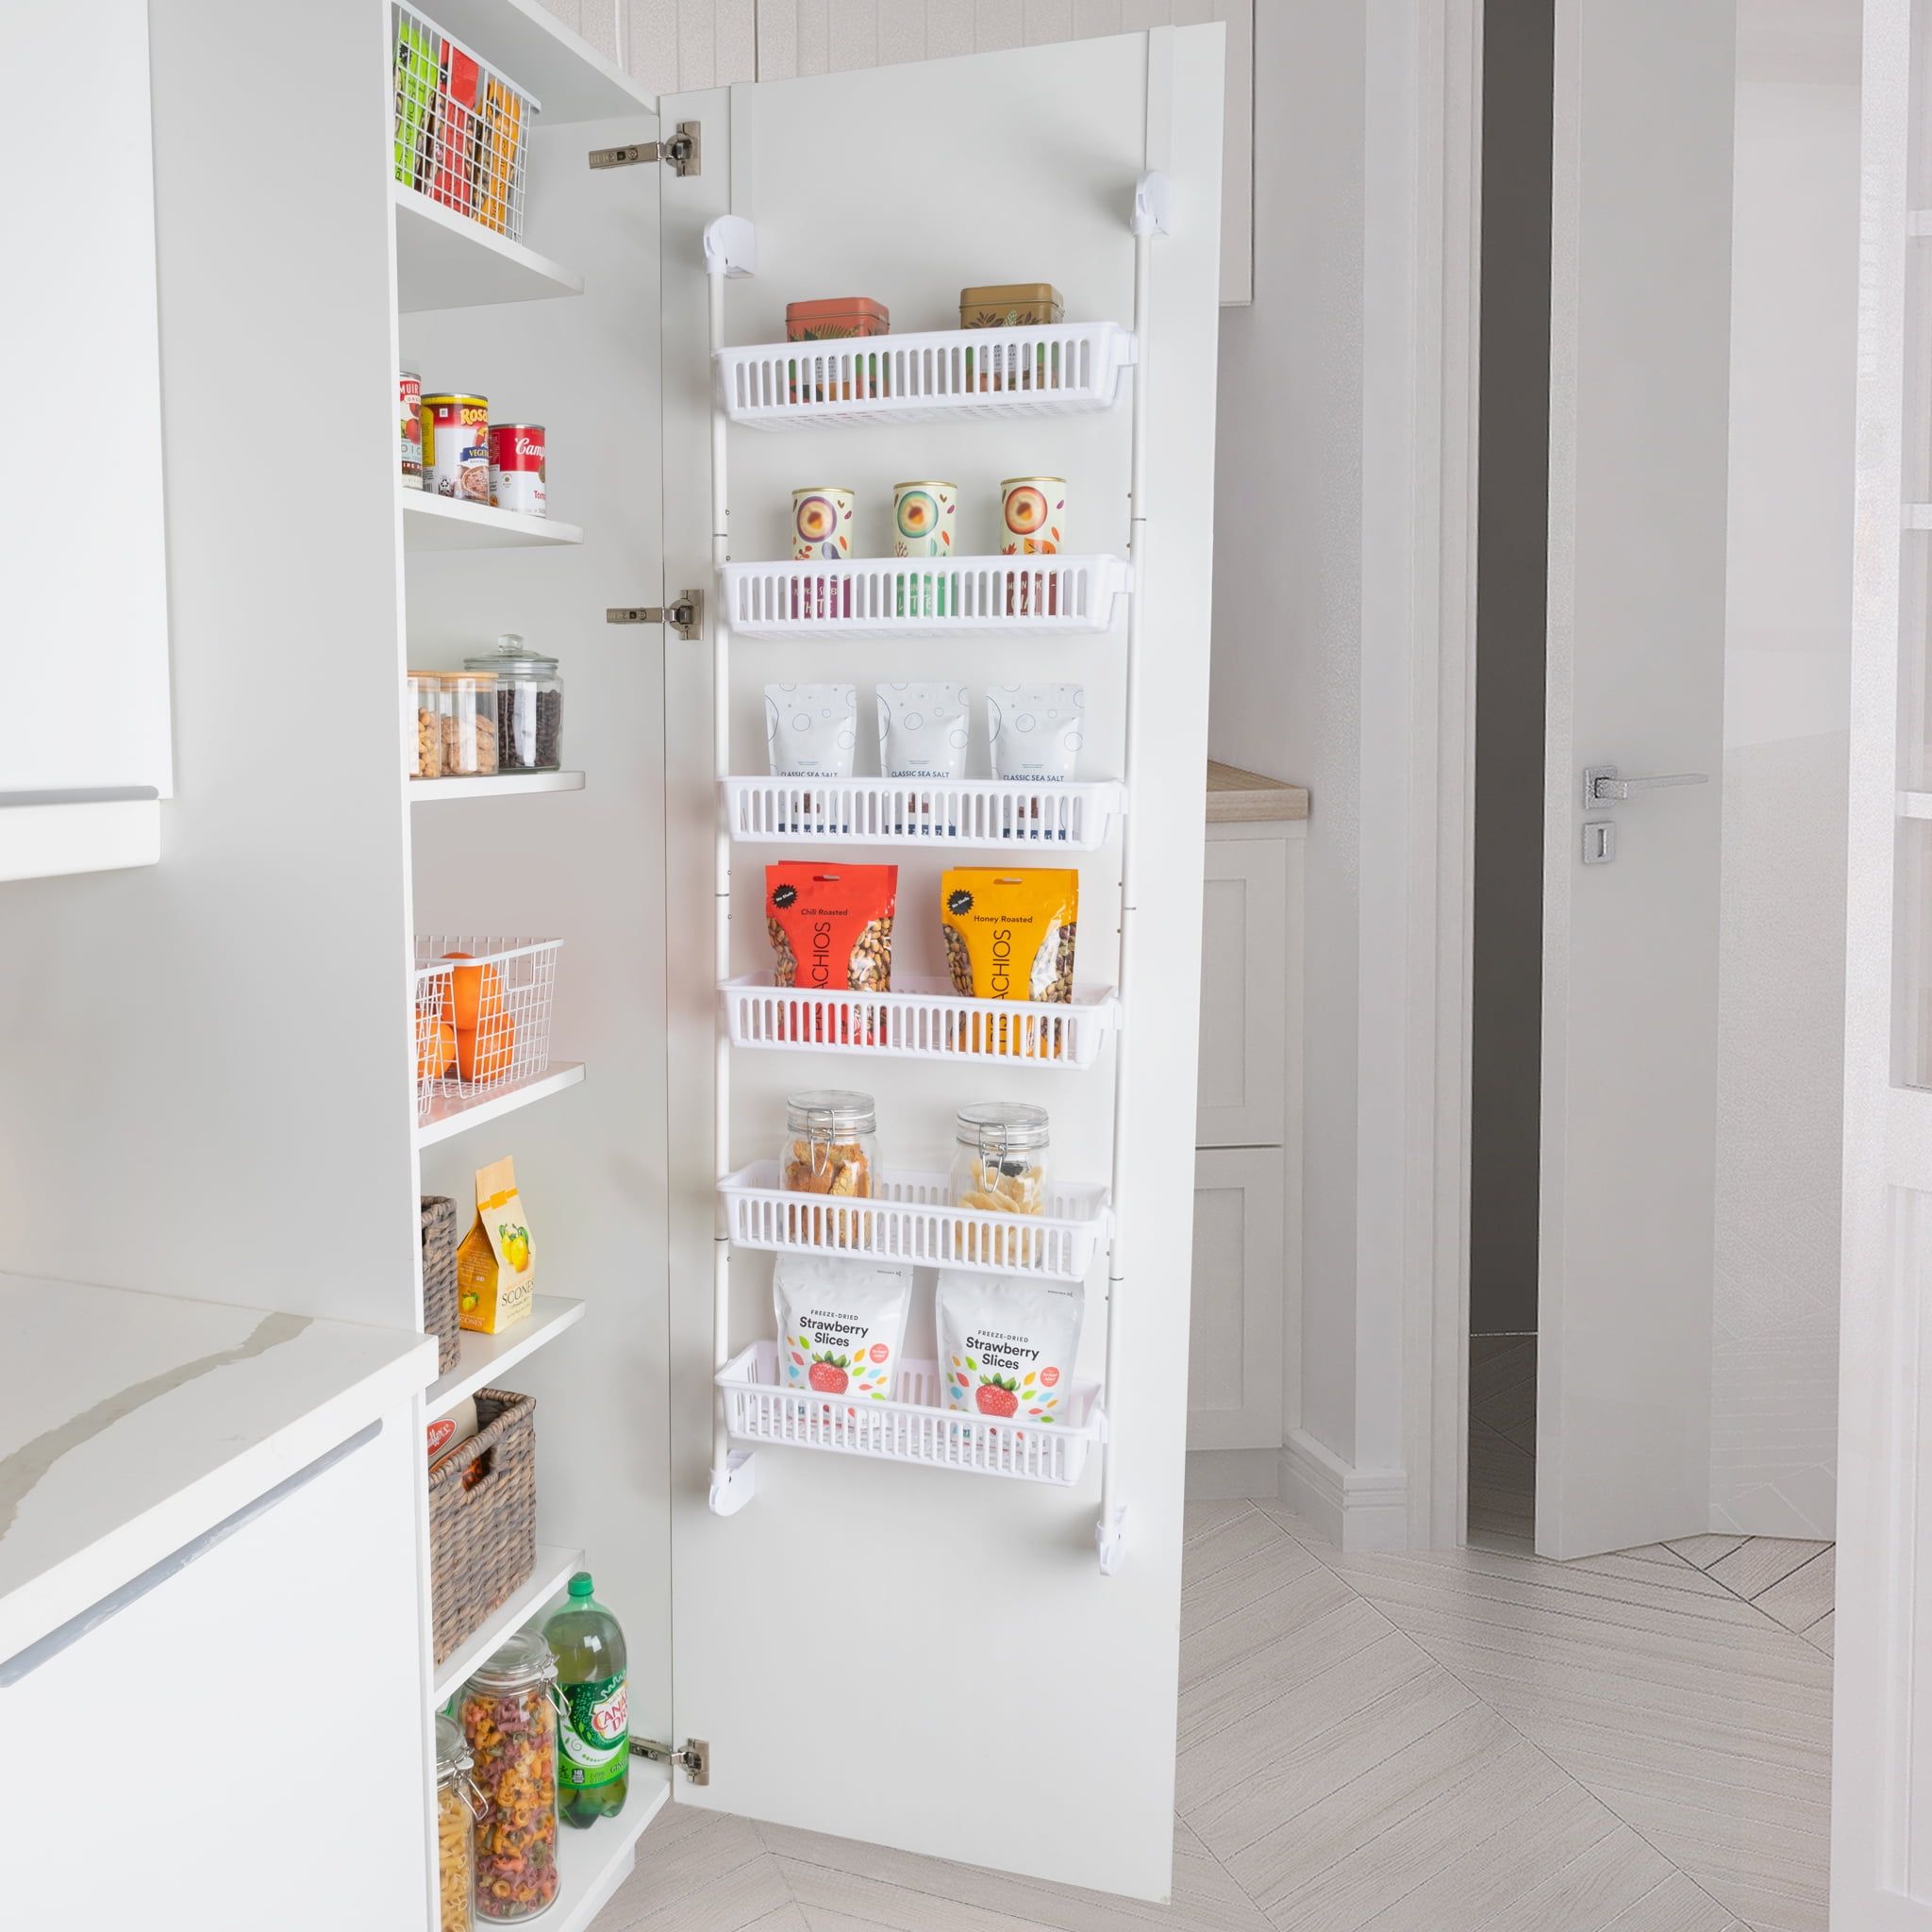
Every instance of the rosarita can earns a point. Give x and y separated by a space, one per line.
455 446
517 476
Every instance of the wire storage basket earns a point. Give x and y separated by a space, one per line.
462 130
482 1014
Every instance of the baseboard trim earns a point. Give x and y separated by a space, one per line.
1358 1510
1221 1475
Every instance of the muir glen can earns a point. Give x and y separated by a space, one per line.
455 446
516 468
409 424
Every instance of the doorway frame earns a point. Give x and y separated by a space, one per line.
1415 1123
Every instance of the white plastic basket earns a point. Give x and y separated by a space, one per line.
923 596
912 1218
1052 370
913 1429
1074 817
463 128
921 1019
505 988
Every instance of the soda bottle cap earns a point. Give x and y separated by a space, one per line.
581 1584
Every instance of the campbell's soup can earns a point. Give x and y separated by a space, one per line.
455 446
410 426
516 467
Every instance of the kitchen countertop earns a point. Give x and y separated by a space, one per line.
1239 797
132 1423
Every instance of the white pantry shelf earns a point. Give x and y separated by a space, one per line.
1915 805
570 80
446 261
1060 368
443 522
910 1218
924 596
914 1427
483 1358
498 785
1917 516
982 812
591 1864
455 1113
555 1568
923 1020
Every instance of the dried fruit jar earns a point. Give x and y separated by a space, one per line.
509 1722
529 706
459 1809
831 1148
469 724
1000 1157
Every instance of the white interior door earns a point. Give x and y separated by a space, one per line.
1881 1826
922 1657
1639 447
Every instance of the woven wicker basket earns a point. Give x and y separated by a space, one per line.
483 1539
439 1279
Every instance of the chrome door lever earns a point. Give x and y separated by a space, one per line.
1602 784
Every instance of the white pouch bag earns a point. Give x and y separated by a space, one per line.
1007 1347
842 1325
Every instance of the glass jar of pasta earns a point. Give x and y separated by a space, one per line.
459 1809
831 1148
509 1722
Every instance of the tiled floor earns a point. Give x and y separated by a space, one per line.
1469 1741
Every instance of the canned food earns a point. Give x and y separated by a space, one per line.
409 426
922 525
516 468
455 446
821 533
1033 512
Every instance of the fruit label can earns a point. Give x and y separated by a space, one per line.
409 426
516 468
1033 513
821 533
455 446
923 521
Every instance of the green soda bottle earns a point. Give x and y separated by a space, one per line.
593 1732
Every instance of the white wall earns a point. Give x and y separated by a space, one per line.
1787 648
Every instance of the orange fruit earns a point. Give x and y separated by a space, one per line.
487 1055
436 1045
475 997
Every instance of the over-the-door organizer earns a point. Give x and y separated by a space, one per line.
910 1218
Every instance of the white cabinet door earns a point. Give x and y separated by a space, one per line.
922 1657
1243 1095
244 1744
1235 1366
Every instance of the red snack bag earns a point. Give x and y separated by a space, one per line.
831 927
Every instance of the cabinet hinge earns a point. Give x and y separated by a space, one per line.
683 153
686 616
693 1757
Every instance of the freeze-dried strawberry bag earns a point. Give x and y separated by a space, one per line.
1007 1347
841 1324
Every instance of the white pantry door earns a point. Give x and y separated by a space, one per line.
1881 1822
1639 341
922 1657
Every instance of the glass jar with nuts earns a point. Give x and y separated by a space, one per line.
469 723
426 706
831 1148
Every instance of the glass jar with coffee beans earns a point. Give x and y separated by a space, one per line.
529 706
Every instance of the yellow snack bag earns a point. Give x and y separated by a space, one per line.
496 1264
1010 933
